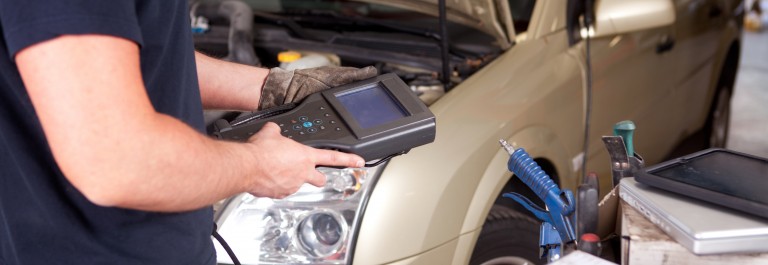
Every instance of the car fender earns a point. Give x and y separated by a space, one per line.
539 143
421 200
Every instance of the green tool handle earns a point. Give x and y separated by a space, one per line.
626 129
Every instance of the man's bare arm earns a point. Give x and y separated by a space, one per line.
117 150
227 85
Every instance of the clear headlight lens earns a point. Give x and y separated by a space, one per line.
321 233
313 226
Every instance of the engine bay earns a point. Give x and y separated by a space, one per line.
396 41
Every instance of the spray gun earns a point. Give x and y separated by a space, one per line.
556 228
562 220
558 219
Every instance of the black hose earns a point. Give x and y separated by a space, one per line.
224 244
588 112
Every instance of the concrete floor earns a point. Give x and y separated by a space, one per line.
749 106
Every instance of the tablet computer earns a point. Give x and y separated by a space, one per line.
720 176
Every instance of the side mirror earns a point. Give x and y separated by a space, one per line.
621 16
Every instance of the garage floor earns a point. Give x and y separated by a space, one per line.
749 108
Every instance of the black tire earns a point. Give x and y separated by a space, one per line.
716 128
508 237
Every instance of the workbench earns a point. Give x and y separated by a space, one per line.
642 242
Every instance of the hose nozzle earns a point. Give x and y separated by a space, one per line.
507 146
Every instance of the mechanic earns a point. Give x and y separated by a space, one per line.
102 155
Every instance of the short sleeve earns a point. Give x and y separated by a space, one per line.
28 22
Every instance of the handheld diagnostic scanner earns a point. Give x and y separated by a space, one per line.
373 118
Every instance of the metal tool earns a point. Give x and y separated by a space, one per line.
626 129
557 229
624 161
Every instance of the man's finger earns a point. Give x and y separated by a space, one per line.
334 158
317 179
270 128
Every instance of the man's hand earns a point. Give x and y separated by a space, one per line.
283 87
231 86
287 164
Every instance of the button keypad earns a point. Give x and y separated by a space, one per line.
314 121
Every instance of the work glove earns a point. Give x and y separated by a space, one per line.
283 86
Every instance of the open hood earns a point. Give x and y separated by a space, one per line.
490 16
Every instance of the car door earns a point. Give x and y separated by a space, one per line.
696 41
631 81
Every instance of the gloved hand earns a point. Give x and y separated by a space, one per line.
283 86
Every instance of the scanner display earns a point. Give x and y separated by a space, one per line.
371 106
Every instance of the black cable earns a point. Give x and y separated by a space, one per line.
385 159
588 112
225 245
263 114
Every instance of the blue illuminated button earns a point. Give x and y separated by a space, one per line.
311 130
307 124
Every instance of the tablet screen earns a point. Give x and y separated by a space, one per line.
724 172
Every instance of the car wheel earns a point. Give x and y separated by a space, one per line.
719 118
508 237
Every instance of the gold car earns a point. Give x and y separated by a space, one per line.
514 70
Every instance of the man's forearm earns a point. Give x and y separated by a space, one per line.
166 167
118 151
226 85
110 143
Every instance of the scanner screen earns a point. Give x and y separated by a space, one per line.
371 106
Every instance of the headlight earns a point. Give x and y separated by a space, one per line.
313 226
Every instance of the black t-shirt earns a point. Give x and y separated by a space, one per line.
43 218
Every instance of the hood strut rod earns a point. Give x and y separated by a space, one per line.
443 17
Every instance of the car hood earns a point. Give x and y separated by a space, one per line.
480 14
